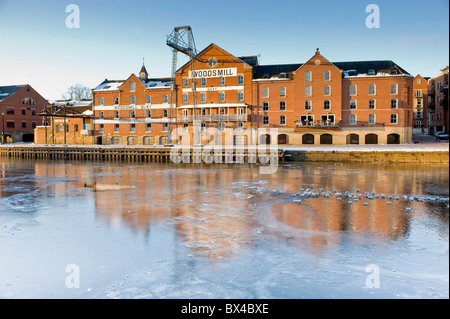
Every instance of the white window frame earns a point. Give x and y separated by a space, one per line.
132 100
240 95
308 90
372 89
221 81
308 76
265 92
148 128
265 119
355 117
265 106
326 75
351 104
185 82
240 79
394 89
308 105
148 99
394 118
203 82
221 96
185 98
396 104
132 87
202 97
282 91
329 105
353 90
282 119
374 104
282 105
373 117
327 90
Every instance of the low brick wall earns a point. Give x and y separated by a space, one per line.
367 156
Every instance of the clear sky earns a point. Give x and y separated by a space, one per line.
36 47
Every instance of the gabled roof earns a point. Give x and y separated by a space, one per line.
7 91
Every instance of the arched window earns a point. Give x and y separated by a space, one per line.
371 139
352 139
393 139
326 139
308 139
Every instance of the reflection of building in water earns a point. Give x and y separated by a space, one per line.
212 220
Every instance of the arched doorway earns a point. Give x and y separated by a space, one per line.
28 137
326 139
352 139
393 139
283 139
371 139
308 139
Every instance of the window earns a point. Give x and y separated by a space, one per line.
352 119
203 126
185 83
149 127
371 89
116 114
100 114
102 128
132 114
282 106
418 81
326 75
240 96
100 101
24 124
116 100
265 106
165 98
393 103
352 104
240 111
308 76
221 81
33 112
10 111
116 128
185 127
307 119
265 92
221 97
164 113
240 126
185 98
394 88
203 97
148 99
282 91
394 118
221 127
283 120
308 90
371 118
418 93
203 82
132 100
132 127
24 111
265 120
75 127
308 105
132 87
148 113
326 105
165 127
353 89
240 79
327 90
203 111
371 104
222 111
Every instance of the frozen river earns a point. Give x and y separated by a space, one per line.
312 230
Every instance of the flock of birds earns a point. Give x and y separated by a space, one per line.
351 198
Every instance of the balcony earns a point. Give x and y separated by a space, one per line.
317 125
214 118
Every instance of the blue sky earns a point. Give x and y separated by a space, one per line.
37 48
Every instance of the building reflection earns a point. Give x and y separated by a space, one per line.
219 210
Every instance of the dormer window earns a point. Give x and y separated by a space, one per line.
393 72
371 72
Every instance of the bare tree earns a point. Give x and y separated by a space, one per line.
78 92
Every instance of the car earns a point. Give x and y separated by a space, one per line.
441 136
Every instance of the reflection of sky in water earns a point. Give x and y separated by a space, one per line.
224 212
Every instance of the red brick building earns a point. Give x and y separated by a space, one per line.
235 100
19 106
438 103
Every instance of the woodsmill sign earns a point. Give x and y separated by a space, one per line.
215 73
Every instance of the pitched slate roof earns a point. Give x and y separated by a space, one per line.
361 67
7 91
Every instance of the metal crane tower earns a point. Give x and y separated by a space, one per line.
182 40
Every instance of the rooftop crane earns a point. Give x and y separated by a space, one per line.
182 40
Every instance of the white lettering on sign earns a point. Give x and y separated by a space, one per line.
214 73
